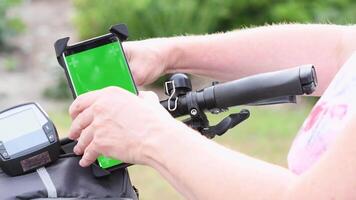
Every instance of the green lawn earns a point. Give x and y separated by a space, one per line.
266 135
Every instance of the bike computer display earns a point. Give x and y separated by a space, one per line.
28 139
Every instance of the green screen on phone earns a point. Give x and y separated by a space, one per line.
97 68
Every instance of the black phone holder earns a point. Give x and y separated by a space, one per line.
60 46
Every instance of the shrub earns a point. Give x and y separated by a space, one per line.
149 18
8 25
157 18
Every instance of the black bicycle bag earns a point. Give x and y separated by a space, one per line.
66 180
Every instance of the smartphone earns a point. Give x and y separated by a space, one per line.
95 64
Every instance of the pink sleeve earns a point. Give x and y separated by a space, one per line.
326 119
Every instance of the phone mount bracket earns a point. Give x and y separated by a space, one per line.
119 30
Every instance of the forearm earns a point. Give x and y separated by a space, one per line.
202 169
236 54
333 176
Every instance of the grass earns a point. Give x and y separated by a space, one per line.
267 135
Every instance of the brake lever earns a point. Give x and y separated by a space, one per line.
227 123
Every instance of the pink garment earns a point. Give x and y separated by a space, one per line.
326 120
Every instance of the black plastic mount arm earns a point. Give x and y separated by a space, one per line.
119 30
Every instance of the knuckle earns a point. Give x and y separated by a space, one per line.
80 125
89 155
97 144
98 108
82 139
96 125
74 107
103 128
79 99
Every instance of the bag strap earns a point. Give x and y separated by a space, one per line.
47 182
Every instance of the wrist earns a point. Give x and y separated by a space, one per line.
172 53
160 144
181 53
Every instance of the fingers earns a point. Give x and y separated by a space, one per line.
82 102
151 98
82 121
89 156
84 140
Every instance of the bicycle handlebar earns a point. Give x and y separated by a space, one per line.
296 81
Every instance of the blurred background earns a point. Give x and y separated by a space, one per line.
29 70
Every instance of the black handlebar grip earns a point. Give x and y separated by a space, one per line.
290 82
295 81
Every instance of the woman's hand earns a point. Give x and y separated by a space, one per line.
116 123
148 59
